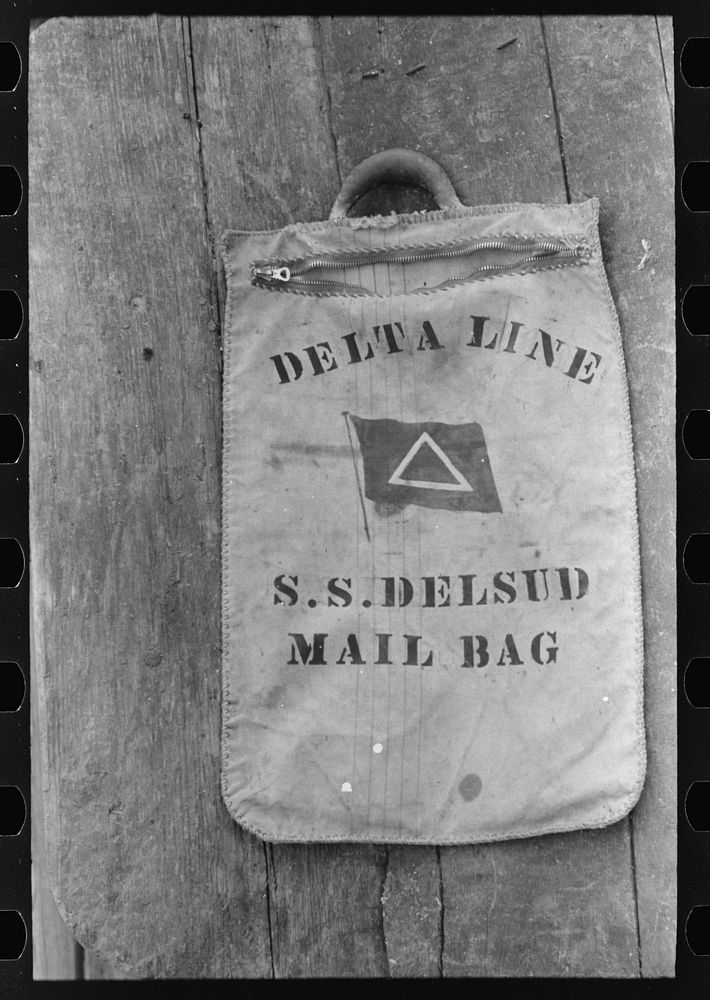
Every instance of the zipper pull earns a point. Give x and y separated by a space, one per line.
270 272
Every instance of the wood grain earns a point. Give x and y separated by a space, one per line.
151 873
54 950
327 910
148 138
484 112
266 143
412 912
488 116
543 907
324 901
628 114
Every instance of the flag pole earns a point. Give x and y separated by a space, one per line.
357 475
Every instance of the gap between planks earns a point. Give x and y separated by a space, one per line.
191 82
665 69
555 110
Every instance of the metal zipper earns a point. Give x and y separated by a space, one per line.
289 275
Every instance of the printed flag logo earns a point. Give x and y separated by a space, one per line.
428 464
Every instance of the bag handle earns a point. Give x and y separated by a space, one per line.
399 166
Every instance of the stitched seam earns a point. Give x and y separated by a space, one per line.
313 837
226 466
414 218
630 479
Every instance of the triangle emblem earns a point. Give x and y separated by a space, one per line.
397 479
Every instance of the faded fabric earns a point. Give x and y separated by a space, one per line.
431 590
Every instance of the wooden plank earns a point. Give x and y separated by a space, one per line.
486 113
412 913
267 147
55 953
543 907
611 96
314 932
150 870
54 950
270 160
482 110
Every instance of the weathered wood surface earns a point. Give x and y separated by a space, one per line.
55 953
150 871
635 190
148 138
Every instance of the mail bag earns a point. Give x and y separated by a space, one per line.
431 590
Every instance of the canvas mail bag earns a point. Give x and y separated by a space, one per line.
432 608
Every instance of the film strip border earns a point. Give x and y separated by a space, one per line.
692 78
15 892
